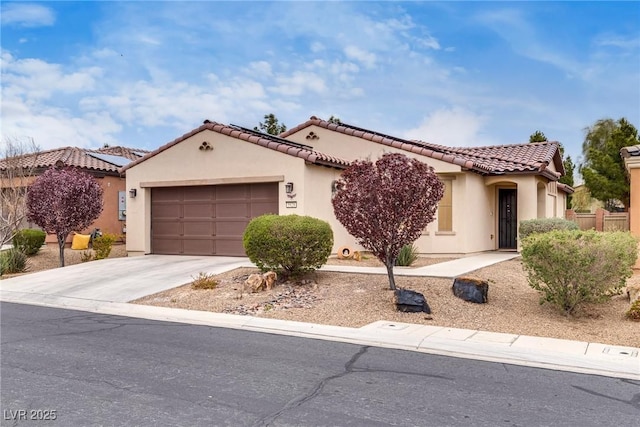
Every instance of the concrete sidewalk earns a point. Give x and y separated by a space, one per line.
106 287
449 269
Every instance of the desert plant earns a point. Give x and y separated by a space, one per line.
387 204
571 267
29 240
407 255
86 256
634 311
102 245
544 225
204 281
12 261
63 200
291 245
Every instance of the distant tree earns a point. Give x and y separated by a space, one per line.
19 159
567 163
271 125
603 168
335 120
386 205
63 200
537 136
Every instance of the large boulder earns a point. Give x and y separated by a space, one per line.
471 289
411 301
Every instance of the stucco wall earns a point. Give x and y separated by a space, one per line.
633 166
231 161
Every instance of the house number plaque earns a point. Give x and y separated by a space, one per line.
291 204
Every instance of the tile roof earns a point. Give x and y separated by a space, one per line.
490 160
264 140
631 151
78 157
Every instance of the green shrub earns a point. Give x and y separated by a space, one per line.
12 261
102 245
29 240
634 311
407 255
86 256
204 281
291 245
571 267
544 225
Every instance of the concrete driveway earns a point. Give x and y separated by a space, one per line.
120 279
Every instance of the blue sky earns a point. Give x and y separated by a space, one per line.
142 73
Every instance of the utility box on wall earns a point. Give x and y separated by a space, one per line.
122 205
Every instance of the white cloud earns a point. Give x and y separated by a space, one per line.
298 83
361 55
317 47
27 15
449 126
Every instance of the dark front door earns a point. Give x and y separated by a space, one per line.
507 218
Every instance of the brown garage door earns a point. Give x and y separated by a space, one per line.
207 220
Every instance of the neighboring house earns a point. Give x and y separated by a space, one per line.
196 194
631 157
103 164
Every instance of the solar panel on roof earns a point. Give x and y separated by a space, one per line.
139 153
110 158
272 137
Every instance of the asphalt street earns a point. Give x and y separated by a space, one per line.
86 369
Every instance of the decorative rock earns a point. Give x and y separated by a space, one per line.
411 301
471 289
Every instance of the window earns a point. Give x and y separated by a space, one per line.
445 208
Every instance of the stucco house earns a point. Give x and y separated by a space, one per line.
196 194
103 164
631 157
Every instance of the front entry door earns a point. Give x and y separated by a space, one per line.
507 219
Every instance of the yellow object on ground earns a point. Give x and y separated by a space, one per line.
80 241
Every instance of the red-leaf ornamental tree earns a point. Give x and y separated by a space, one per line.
386 205
63 200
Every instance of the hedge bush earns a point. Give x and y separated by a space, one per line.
29 240
291 245
544 225
12 261
572 267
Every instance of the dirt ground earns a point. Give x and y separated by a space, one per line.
355 300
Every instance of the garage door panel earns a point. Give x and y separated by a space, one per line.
197 193
207 220
164 210
232 210
198 246
198 228
198 210
165 228
230 246
167 245
165 195
262 208
232 192
231 228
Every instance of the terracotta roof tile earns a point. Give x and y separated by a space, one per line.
631 151
80 158
254 137
489 160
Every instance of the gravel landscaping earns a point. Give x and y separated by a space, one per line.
355 300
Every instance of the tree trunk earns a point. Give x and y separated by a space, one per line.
392 282
61 242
